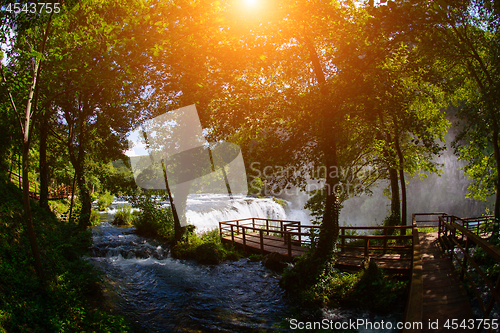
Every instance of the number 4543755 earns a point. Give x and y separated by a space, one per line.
32 7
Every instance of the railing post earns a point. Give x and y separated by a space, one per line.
367 245
464 264
342 242
244 240
289 237
267 226
284 233
385 240
253 222
232 234
300 234
261 235
454 231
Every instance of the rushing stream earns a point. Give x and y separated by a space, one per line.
162 294
158 293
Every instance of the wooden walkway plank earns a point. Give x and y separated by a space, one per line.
444 296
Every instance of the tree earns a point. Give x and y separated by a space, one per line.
466 37
25 49
295 88
410 121
99 83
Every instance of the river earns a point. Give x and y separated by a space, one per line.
158 293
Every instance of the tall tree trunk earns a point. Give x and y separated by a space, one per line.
83 190
395 217
496 152
179 231
329 231
402 182
77 158
393 177
44 177
85 199
25 177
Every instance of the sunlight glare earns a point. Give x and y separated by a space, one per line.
251 3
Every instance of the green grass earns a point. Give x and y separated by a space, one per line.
427 229
70 300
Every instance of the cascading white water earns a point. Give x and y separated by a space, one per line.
205 211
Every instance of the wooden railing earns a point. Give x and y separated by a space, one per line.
481 226
59 192
426 220
374 243
455 236
414 305
293 233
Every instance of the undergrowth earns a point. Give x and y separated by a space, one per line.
105 200
123 216
206 249
370 288
70 300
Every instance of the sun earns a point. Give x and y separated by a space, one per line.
251 3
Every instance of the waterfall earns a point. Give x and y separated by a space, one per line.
205 211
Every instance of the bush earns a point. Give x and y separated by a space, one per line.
123 216
95 217
153 220
157 221
104 201
280 202
378 292
206 249
369 288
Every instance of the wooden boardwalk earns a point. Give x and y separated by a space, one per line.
444 296
54 193
271 244
290 239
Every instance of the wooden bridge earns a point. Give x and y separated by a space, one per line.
436 293
390 247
